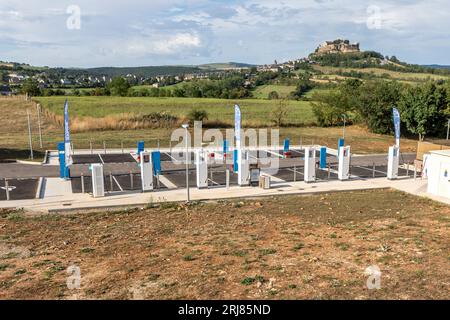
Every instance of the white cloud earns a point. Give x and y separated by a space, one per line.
164 45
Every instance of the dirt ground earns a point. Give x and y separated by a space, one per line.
290 247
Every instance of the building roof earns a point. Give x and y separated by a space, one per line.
445 153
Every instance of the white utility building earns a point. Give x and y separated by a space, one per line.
437 166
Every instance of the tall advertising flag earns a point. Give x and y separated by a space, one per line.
397 126
67 147
237 125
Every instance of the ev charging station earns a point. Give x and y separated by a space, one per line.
243 168
393 160
344 163
98 182
146 171
310 165
202 168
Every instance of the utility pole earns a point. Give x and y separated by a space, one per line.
29 134
186 126
38 107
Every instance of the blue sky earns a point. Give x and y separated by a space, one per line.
182 32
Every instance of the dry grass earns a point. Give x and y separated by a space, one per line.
294 247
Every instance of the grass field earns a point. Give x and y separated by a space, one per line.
262 92
293 247
254 112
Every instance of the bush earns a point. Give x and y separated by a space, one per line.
197 115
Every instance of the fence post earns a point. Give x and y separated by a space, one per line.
131 181
111 181
329 171
82 183
7 189
90 146
295 173
227 180
373 170
121 145
104 146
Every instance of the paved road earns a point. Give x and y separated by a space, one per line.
19 170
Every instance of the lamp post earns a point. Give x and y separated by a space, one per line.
186 126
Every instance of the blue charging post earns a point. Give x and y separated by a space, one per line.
156 160
225 148
341 143
323 157
140 147
235 160
286 145
63 170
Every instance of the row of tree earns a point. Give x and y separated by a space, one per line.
424 108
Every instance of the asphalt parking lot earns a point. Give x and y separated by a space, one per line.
19 189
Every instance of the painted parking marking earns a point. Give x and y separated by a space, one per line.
370 169
167 182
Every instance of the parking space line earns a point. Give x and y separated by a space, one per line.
167 182
296 171
101 159
117 182
371 170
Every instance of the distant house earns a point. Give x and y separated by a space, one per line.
66 82
5 90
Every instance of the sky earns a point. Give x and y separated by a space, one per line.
95 33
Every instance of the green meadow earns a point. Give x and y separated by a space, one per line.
255 112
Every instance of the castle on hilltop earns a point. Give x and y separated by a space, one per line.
338 46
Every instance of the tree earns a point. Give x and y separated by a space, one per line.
118 87
423 109
328 107
31 88
374 102
279 113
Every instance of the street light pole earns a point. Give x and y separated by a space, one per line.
186 126
30 139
